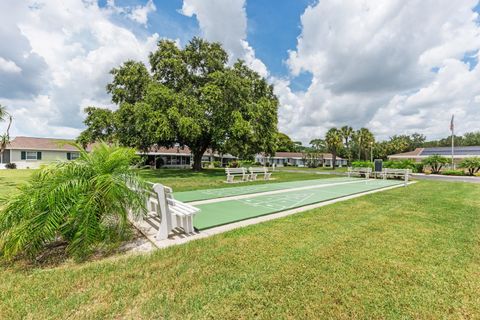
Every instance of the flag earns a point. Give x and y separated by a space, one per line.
452 126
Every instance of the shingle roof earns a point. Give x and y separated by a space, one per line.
443 151
301 155
31 143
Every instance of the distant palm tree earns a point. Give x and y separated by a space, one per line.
318 144
347 133
363 138
83 202
334 142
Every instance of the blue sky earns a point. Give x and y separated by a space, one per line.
395 66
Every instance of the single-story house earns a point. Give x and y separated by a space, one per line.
299 159
28 152
459 153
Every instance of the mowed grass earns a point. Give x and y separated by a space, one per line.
405 253
10 179
186 180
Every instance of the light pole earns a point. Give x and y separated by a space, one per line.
371 151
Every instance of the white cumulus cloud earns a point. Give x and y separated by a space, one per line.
225 22
66 48
373 64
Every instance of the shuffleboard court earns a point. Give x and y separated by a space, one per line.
228 211
197 195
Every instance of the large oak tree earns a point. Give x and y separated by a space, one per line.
190 97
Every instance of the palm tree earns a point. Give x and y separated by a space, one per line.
347 133
4 138
333 139
84 202
363 138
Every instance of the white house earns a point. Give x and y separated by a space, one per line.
299 159
28 152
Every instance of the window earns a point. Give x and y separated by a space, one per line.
31 155
73 155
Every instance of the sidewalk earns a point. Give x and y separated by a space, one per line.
439 177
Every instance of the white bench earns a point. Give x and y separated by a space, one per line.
359 171
236 172
173 214
396 173
254 171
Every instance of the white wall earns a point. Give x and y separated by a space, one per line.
47 157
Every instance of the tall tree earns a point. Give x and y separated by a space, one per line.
5 137
347 133
191 98
284 143
334 143
363 139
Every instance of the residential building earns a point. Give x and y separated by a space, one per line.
299 159
419 154
29 152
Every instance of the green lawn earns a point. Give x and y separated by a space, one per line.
10 179
185 180
406 253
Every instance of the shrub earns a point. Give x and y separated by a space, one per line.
362 164
435 162
471 164
83 202
11 165
419 167
402 164
216 164
233 164
245 163
453 172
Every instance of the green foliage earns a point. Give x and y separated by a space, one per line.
471 164
402 164
419 167
193 98
245 163
435 162
285 144
453 172
362 164
11 165
333 140
83 202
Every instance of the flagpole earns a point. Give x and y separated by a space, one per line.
452 127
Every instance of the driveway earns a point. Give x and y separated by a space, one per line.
420 176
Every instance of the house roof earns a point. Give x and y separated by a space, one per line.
31 143
459 152
301 155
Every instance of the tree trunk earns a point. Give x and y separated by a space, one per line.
197 158
334 159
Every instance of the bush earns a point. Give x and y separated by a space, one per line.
471 164
402 164
233 164
245 163
216 164
419 167
11 165
435 162
362 164
84 202
453 172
